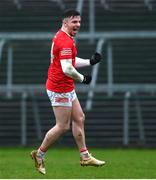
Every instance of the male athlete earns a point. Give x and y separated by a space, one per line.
61 92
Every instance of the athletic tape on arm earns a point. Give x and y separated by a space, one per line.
70 71
79 62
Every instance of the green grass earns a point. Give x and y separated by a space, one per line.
63 163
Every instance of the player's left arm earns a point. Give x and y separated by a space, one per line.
95 58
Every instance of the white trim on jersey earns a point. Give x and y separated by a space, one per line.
51 53
66 52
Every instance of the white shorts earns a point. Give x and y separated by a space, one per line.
61 99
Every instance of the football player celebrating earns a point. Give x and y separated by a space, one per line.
61 91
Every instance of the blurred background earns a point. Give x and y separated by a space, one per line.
120 103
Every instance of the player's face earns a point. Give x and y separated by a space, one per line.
73 25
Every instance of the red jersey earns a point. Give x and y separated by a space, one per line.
63 48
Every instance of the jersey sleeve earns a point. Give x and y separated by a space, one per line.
65 51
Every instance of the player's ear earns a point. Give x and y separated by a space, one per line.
65 20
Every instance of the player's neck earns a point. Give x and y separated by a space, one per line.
65 31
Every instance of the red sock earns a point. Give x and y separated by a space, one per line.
41 152
84 152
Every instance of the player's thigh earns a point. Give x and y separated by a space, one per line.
77 112
62 114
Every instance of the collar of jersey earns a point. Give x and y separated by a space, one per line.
66 33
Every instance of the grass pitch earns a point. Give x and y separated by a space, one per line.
63 163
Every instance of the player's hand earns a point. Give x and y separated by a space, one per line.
87 79
96 58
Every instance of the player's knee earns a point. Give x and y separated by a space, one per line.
82 118
79 121
64 127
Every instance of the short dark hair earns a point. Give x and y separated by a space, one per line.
70 13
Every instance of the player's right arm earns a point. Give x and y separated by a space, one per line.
70 71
